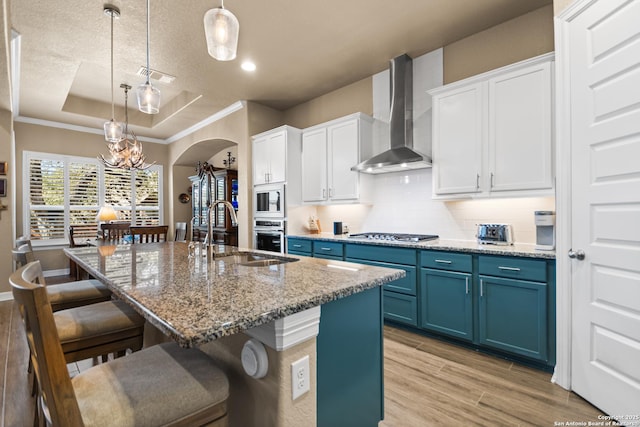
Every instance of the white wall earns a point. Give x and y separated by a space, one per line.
403 203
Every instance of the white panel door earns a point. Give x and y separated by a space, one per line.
604 62
520 129
343 154
314 165
458 138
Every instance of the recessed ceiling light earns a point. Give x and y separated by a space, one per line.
248 66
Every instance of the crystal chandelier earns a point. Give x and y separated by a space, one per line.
221 29
126 153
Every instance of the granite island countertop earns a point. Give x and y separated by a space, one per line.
518 249
196 300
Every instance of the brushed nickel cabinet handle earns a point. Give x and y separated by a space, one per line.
466 283
442 261
297 246
325 249
508 268
481 288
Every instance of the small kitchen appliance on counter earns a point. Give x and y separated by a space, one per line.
495 234
394 237
545 230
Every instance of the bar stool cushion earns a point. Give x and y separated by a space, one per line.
155 386
81 323
74 294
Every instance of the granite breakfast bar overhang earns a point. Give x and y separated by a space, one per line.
216 303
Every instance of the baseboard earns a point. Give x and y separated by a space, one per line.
6 296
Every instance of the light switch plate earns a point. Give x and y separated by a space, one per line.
300 377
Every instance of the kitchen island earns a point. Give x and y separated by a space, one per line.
217 302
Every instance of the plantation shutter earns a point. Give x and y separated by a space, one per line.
117 191
83 194
147 205
46 199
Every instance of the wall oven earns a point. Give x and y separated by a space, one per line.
269 235
269 201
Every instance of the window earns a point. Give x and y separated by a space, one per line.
66 190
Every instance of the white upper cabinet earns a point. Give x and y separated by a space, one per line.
329 150
275 154
458 140
520 129
492 133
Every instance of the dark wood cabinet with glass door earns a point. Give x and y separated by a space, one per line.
224 186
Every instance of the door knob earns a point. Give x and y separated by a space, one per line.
579 254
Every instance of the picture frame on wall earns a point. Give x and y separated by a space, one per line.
3 168
3 187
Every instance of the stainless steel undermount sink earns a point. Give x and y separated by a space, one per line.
251 259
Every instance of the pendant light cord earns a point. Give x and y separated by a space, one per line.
148 50
113 110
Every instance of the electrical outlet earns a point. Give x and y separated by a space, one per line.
300 377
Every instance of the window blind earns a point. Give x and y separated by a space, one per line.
69 190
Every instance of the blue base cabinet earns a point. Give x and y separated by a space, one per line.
400 296
513 306
447 303
513 316
502 304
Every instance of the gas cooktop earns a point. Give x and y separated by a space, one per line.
395 237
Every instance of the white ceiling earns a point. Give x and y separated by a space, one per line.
302 49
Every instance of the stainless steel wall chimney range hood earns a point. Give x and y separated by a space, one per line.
401 155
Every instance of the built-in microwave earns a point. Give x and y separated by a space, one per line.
269 201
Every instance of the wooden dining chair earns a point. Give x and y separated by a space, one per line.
149 233
160 385
80 232
181 232
114 231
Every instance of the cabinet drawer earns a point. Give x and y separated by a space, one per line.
332 249
446 261
299 246
400 308
381 253
513 268
406 285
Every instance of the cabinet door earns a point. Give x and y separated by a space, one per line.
520 129
343 154
513 316
458 140
400 308
260 161
277 154
314 165
447 303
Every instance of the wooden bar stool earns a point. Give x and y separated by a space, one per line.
66 295
163 385
93 330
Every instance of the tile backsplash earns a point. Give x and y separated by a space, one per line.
403 203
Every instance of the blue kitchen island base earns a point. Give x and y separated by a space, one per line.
350 361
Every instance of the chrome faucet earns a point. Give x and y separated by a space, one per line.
232 213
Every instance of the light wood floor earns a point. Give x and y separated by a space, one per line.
432 383
427 383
